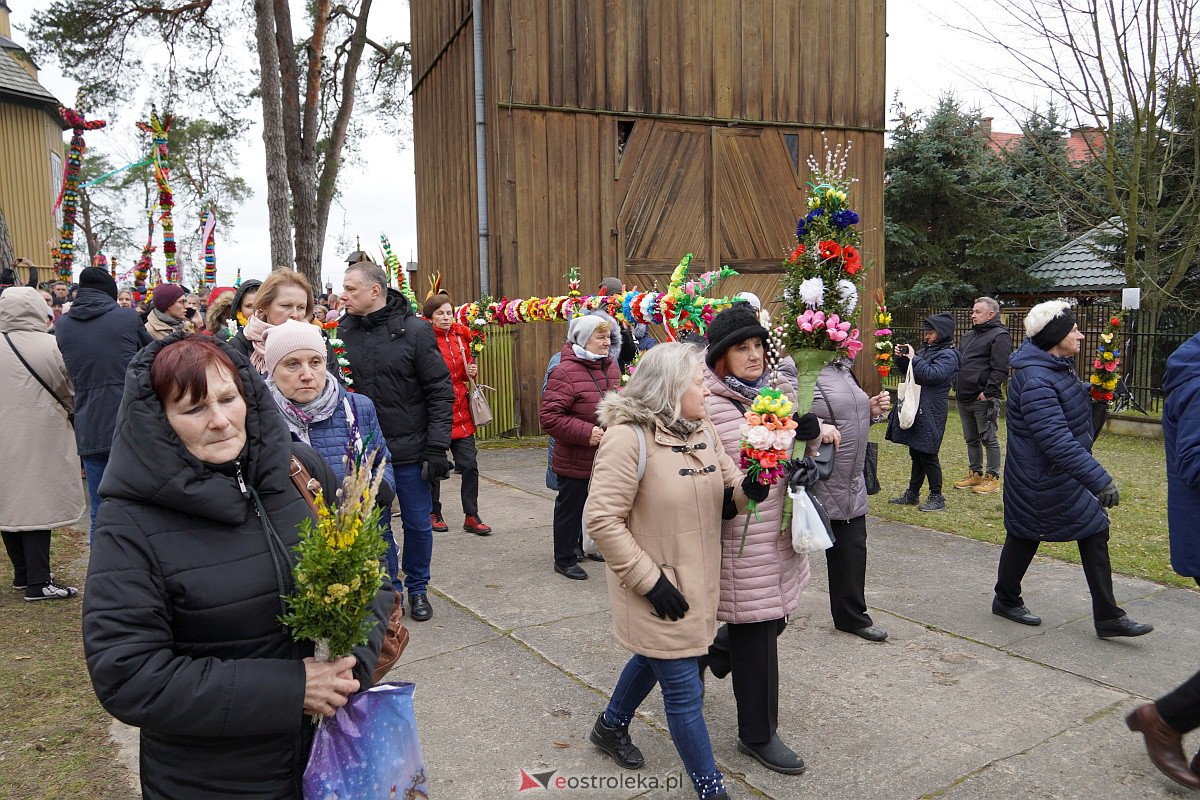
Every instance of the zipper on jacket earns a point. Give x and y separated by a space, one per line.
237 472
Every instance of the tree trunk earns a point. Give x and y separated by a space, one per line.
327 187
279 212
301 146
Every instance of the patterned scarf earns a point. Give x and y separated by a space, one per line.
746 390
683 428
300 418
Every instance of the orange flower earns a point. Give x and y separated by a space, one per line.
767 459
753 419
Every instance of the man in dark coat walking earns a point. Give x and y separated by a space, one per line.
395 360
97 339
983 369
1054 489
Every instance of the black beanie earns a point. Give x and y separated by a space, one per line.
1055 330
733 325
96 278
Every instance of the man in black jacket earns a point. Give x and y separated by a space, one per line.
985 350
395 360
98 339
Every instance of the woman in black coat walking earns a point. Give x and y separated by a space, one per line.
934 368
192 556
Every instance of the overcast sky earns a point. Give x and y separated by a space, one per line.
926 58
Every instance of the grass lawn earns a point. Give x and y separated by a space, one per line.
53 732
1139 524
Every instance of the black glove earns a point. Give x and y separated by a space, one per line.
728 508
667 601
754 490
808 427
1109 497
436 466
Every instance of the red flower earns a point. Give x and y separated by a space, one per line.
795 256
767 459
1115 321
1108 395
829 249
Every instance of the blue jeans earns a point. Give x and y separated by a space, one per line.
93 470
412 491
682 699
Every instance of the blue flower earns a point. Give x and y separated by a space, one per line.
800 228
816 212
844 219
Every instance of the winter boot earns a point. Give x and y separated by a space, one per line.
935 502
909 498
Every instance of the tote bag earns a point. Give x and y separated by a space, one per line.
481 409
908 393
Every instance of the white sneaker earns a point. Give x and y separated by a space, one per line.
51 592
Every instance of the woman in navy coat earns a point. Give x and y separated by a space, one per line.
1054 489
934 368
1164 721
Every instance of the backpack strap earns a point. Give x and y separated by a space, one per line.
641 434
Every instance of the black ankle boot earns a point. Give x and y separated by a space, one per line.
616 742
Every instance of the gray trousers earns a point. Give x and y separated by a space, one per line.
980 421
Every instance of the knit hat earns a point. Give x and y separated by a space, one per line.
165 295
1049 323
289 337
733 325
217 292
582 328
610 286
96 278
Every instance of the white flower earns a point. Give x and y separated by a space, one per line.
812 292
849 295
783 440
758 437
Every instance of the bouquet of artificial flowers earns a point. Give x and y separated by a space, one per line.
766 443
1106 366
883 337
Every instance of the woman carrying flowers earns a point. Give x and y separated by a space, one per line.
762 579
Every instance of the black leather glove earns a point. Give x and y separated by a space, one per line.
436 466
728 508
667 601
808 427
754 490
1109 497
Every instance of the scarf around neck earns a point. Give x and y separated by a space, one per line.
300 418
255 330
683 428
746 390
586 355
167 319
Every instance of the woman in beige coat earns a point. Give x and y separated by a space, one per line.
660 485
42 489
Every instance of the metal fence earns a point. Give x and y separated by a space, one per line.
496 367
1147 339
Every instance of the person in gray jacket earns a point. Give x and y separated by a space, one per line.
982 371
847 415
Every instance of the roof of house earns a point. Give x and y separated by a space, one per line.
1084 263
18 85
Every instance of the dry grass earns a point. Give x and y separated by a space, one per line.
53 733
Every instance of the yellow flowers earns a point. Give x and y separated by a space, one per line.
772 401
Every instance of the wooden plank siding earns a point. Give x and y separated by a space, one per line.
709 88
28 183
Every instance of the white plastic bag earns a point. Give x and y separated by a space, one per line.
811 531
908 393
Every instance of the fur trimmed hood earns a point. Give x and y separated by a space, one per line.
619 409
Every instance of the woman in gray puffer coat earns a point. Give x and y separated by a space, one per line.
847 414
762 582
934 368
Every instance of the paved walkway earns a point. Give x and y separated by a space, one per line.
517 662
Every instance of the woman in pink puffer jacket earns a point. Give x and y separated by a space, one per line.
761 586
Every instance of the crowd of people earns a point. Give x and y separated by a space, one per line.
184 415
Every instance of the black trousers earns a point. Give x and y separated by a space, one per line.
1017 554
925 465
847 565
751 651
466 459
568 518
1181 708
29 552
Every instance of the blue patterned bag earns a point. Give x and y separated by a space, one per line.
369 749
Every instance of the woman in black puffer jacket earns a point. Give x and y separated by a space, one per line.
934 367
192 552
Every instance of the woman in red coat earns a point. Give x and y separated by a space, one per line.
455 343
585 374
